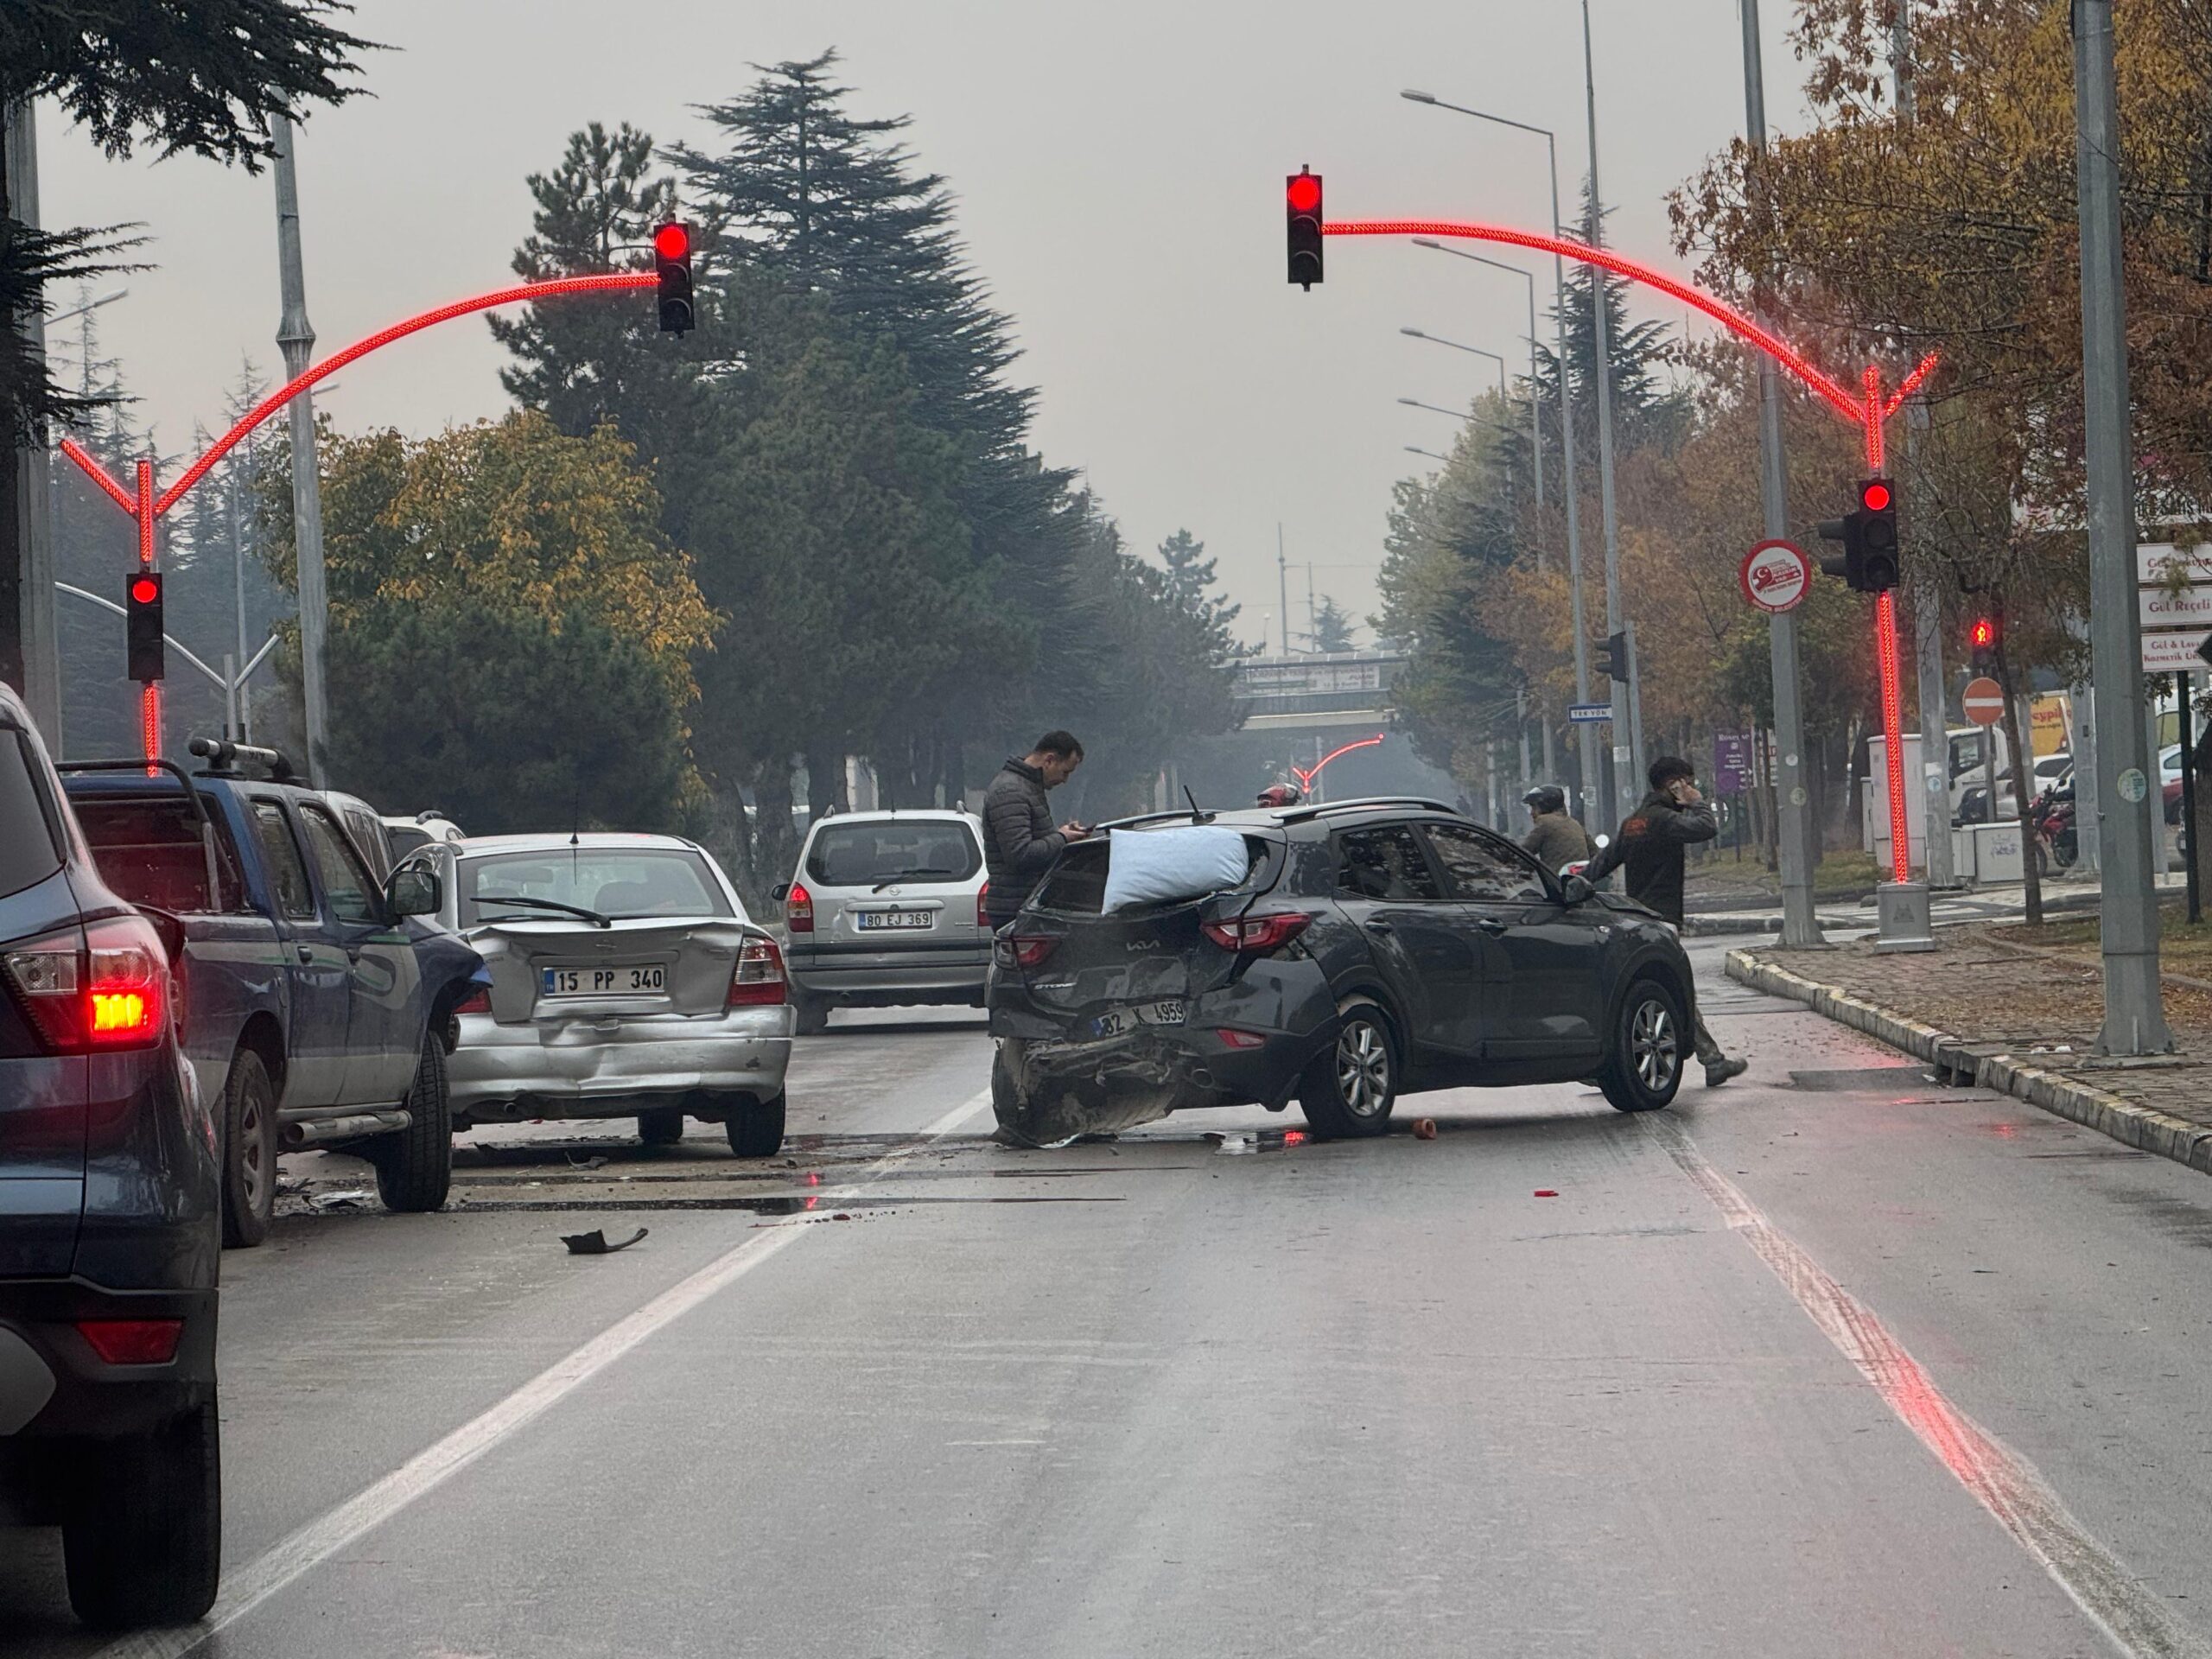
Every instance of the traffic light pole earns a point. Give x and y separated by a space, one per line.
1800 926
1626 786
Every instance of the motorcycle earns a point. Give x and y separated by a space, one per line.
2051 819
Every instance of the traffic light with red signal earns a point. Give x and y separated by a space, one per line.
1981 642
141 633
1870 562
1301 202
672 265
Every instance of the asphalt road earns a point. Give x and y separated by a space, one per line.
1826 1362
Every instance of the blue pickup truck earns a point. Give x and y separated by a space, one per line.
318 1004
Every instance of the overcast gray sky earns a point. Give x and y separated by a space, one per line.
1118 170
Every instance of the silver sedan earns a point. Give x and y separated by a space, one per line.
626 980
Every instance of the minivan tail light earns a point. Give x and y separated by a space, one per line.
1023 952
477 1001
982 907
798 910
104 988
758 980
1259 934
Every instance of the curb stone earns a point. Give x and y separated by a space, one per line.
2142 1127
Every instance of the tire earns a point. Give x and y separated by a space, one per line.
811 1016
249 1152
1348 1091
662 1127
142 1538
414 1166
2066 849
756 1126
1650 1041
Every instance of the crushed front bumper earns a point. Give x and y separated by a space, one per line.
608 1067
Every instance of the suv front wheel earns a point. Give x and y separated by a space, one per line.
1643 1062
1348 1091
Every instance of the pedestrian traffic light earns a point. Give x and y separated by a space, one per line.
1613 657
1301 202
1982 639
142 612
672 265
1878 535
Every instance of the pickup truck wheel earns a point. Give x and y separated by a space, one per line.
1350 1089
249 1150
756 1126
662 1127
141 1540
415 1167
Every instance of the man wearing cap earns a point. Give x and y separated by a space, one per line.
1554 836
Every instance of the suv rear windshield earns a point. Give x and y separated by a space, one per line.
614 881
860 853
28 854
1076 884
149 850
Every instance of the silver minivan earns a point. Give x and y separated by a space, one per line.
886 911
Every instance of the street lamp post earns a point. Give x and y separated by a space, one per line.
1588 734
1535 428
1477 351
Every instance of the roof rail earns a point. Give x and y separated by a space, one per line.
224 759
1361 803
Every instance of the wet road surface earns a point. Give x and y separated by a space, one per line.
1830 1361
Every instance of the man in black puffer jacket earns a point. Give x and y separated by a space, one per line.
1019 838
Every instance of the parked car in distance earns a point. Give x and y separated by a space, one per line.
1374 948
404 835
886 911
108 1231
626 980
318 1002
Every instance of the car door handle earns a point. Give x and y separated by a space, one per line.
306 955
1377 925
1491 925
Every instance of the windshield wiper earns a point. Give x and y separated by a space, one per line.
910 875
577 911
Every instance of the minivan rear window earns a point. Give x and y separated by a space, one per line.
863 853
28 854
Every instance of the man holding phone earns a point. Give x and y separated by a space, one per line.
1651 849
1020 840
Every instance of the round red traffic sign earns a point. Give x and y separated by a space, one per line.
1775 575
1985 700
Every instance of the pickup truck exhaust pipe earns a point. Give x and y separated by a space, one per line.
322 1131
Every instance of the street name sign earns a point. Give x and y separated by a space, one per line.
1985 702
1589 714
1775 577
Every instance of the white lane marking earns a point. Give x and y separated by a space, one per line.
270 1571
2134 1616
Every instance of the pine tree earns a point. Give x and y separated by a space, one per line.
1190 589
1332 628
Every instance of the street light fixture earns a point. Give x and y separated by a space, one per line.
1438 339
1416 449
1535 430
108 298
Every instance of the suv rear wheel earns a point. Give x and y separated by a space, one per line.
249 1150
415 1167
756 1126
142 1536
1644 1063
1352 1086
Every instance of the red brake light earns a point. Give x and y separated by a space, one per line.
798 910
983 909
758 980
132 1342
107 986
1023 952
478 1001
1232 1038
1259 934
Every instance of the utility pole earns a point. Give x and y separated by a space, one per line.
2135 1019
30 656
296 337
1800 925
1626 786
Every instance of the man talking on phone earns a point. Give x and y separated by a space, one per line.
1018 837
1651 847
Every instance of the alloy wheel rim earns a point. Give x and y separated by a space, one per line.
1363 1068
252 1151
1654 1046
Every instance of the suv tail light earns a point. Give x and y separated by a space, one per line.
477 1001
1022 952
982 907
1259 934
798 910
106 987
758 980
132 1342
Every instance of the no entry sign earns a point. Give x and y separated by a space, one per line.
1985 700
1775 575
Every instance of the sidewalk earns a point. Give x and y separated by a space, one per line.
2020 1020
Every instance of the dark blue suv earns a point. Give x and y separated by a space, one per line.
109 1231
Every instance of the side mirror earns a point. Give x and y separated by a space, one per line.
780 892
414 891
1576 890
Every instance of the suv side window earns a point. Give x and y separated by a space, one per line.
345 880
294 896
1482 870
1384 863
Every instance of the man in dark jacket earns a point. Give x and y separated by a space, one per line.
1019 838
1651 847
1554 836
